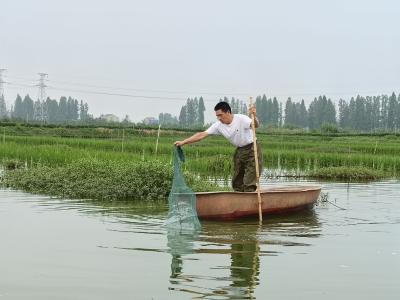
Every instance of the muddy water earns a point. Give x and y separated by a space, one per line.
347 248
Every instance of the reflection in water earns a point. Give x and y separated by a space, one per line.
245 265
180 243
245 260
243 241
116 249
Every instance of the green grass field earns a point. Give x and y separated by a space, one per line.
211 157
320 156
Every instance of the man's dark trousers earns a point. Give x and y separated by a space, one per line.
244 168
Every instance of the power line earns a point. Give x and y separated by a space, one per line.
129 95
117 94
69 83
184 99
21 78
97 92
21 84
101 92
152 90
220 94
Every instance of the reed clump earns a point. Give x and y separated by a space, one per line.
12 164
347 173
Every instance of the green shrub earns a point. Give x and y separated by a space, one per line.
102 180
329 128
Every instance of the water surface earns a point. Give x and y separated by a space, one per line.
64 249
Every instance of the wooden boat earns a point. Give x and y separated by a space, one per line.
231 205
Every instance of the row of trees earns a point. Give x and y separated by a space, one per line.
269 111
321 111
237 106
168 119
360 113
295 114
49 111
192 113
369 113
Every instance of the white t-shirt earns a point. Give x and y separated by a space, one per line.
239 132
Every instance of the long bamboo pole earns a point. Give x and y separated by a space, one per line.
253 127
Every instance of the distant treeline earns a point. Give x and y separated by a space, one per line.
359 113
269 112
49 111
192 113
368 113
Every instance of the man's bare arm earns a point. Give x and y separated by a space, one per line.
193 139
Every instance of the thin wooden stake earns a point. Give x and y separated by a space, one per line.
158 137
253 127
123 138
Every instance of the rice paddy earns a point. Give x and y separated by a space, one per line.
348 157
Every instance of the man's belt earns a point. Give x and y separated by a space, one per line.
246 146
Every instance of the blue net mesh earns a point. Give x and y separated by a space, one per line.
181 200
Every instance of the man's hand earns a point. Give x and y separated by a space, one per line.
252 110
179 143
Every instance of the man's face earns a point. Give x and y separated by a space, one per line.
223 117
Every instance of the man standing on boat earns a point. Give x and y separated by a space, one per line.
237 129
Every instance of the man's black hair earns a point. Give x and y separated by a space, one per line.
224 106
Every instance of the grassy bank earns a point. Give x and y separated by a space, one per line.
345 157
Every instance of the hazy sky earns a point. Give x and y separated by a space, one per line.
178 49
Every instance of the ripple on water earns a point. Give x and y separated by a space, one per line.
225 260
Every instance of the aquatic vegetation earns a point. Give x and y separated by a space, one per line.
347 173
102 180
12 164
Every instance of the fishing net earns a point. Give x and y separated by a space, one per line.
181 200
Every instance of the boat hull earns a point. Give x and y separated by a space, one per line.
232 205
